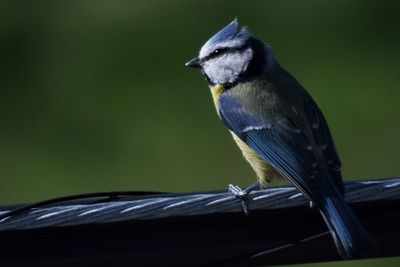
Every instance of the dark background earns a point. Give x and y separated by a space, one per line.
94 95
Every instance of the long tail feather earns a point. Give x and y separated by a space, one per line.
350 237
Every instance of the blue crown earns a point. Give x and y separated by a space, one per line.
227 33
229 36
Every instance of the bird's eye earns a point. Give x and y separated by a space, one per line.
217 52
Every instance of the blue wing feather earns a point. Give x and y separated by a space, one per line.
277 141
323 139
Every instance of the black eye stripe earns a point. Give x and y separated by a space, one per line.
219 51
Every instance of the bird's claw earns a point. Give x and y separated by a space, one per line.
237 191
240 194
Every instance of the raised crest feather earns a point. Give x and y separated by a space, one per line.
227 33
229 36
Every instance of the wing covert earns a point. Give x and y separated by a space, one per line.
279 142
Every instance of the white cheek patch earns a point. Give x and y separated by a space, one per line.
227 68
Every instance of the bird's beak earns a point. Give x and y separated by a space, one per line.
194 63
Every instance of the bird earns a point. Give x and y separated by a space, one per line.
279 128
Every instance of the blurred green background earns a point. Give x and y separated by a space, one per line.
94 95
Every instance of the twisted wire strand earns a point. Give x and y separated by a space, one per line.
158 206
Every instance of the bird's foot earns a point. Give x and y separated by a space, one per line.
240 194
237 191
243 194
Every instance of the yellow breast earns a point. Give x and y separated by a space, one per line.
264 171
216 91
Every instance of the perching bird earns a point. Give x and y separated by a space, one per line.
279 128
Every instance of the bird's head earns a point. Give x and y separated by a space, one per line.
232 54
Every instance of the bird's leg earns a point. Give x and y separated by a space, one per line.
243 194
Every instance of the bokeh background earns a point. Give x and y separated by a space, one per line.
94 95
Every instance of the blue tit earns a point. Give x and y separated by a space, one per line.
279 128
